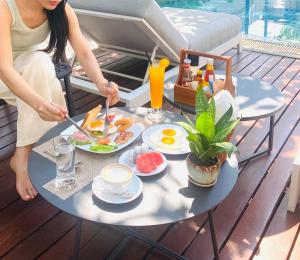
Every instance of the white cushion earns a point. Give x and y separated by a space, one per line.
204 30
146 9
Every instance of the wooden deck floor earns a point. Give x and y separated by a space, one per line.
251 223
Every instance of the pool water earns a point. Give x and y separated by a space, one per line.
270 19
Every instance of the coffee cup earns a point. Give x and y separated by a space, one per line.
116 178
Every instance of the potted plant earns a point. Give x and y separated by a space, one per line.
208 140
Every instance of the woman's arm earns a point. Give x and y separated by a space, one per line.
13 79
87 58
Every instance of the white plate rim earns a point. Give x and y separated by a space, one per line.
97 193
158 149
158 170
71 129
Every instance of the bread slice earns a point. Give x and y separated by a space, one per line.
90 116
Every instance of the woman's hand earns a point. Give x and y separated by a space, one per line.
49 111
111 93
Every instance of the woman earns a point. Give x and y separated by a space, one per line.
27 75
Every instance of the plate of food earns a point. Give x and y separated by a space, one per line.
122 131
144 161
167 139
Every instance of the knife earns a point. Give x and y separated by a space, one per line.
78 127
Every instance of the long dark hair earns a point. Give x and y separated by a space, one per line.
59 30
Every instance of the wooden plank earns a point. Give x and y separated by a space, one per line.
7 151
278 69
276 242
4 167
11 212
102 244
7 111
263 203
252 67
35 244
63 248
5 130
8 119
24 225
245 62
8 192
267 67
8 139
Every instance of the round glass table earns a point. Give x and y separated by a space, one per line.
166 198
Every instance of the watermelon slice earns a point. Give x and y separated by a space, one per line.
148 162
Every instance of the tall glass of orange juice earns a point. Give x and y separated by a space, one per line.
156 76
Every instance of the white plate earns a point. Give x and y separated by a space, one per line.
148 133
136 129
124 159
134 191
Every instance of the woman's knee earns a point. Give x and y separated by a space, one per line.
37 61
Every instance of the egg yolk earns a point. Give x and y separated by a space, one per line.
97 123
169 132
168 140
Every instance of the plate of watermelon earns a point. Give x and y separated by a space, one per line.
143 161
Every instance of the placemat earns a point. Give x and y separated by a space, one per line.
92 163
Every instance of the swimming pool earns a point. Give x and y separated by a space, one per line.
270 19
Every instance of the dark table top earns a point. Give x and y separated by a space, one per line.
166 198
256 98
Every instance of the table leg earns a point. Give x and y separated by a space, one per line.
131 233
77 239
270 144
213 235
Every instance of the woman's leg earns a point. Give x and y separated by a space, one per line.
19 164
38 71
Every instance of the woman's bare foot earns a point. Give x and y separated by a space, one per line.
23 184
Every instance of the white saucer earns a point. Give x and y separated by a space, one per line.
124 160
148 132
134 191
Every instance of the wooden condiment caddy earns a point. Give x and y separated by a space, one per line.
186 95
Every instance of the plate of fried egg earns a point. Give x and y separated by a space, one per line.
167 139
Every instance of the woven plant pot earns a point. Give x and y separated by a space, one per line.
203 176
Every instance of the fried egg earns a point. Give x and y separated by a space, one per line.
169 139
98 125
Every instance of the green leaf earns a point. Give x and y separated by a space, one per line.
186 127
195 138
212 109
201 102
225 118
222 133
188 120
205 124
226 147
194 149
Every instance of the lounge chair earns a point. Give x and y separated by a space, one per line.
139 26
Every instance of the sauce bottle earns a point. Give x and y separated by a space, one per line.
209 71
199 78
186 76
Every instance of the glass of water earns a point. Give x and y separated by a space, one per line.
64 148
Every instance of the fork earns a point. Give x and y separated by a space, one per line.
106 120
